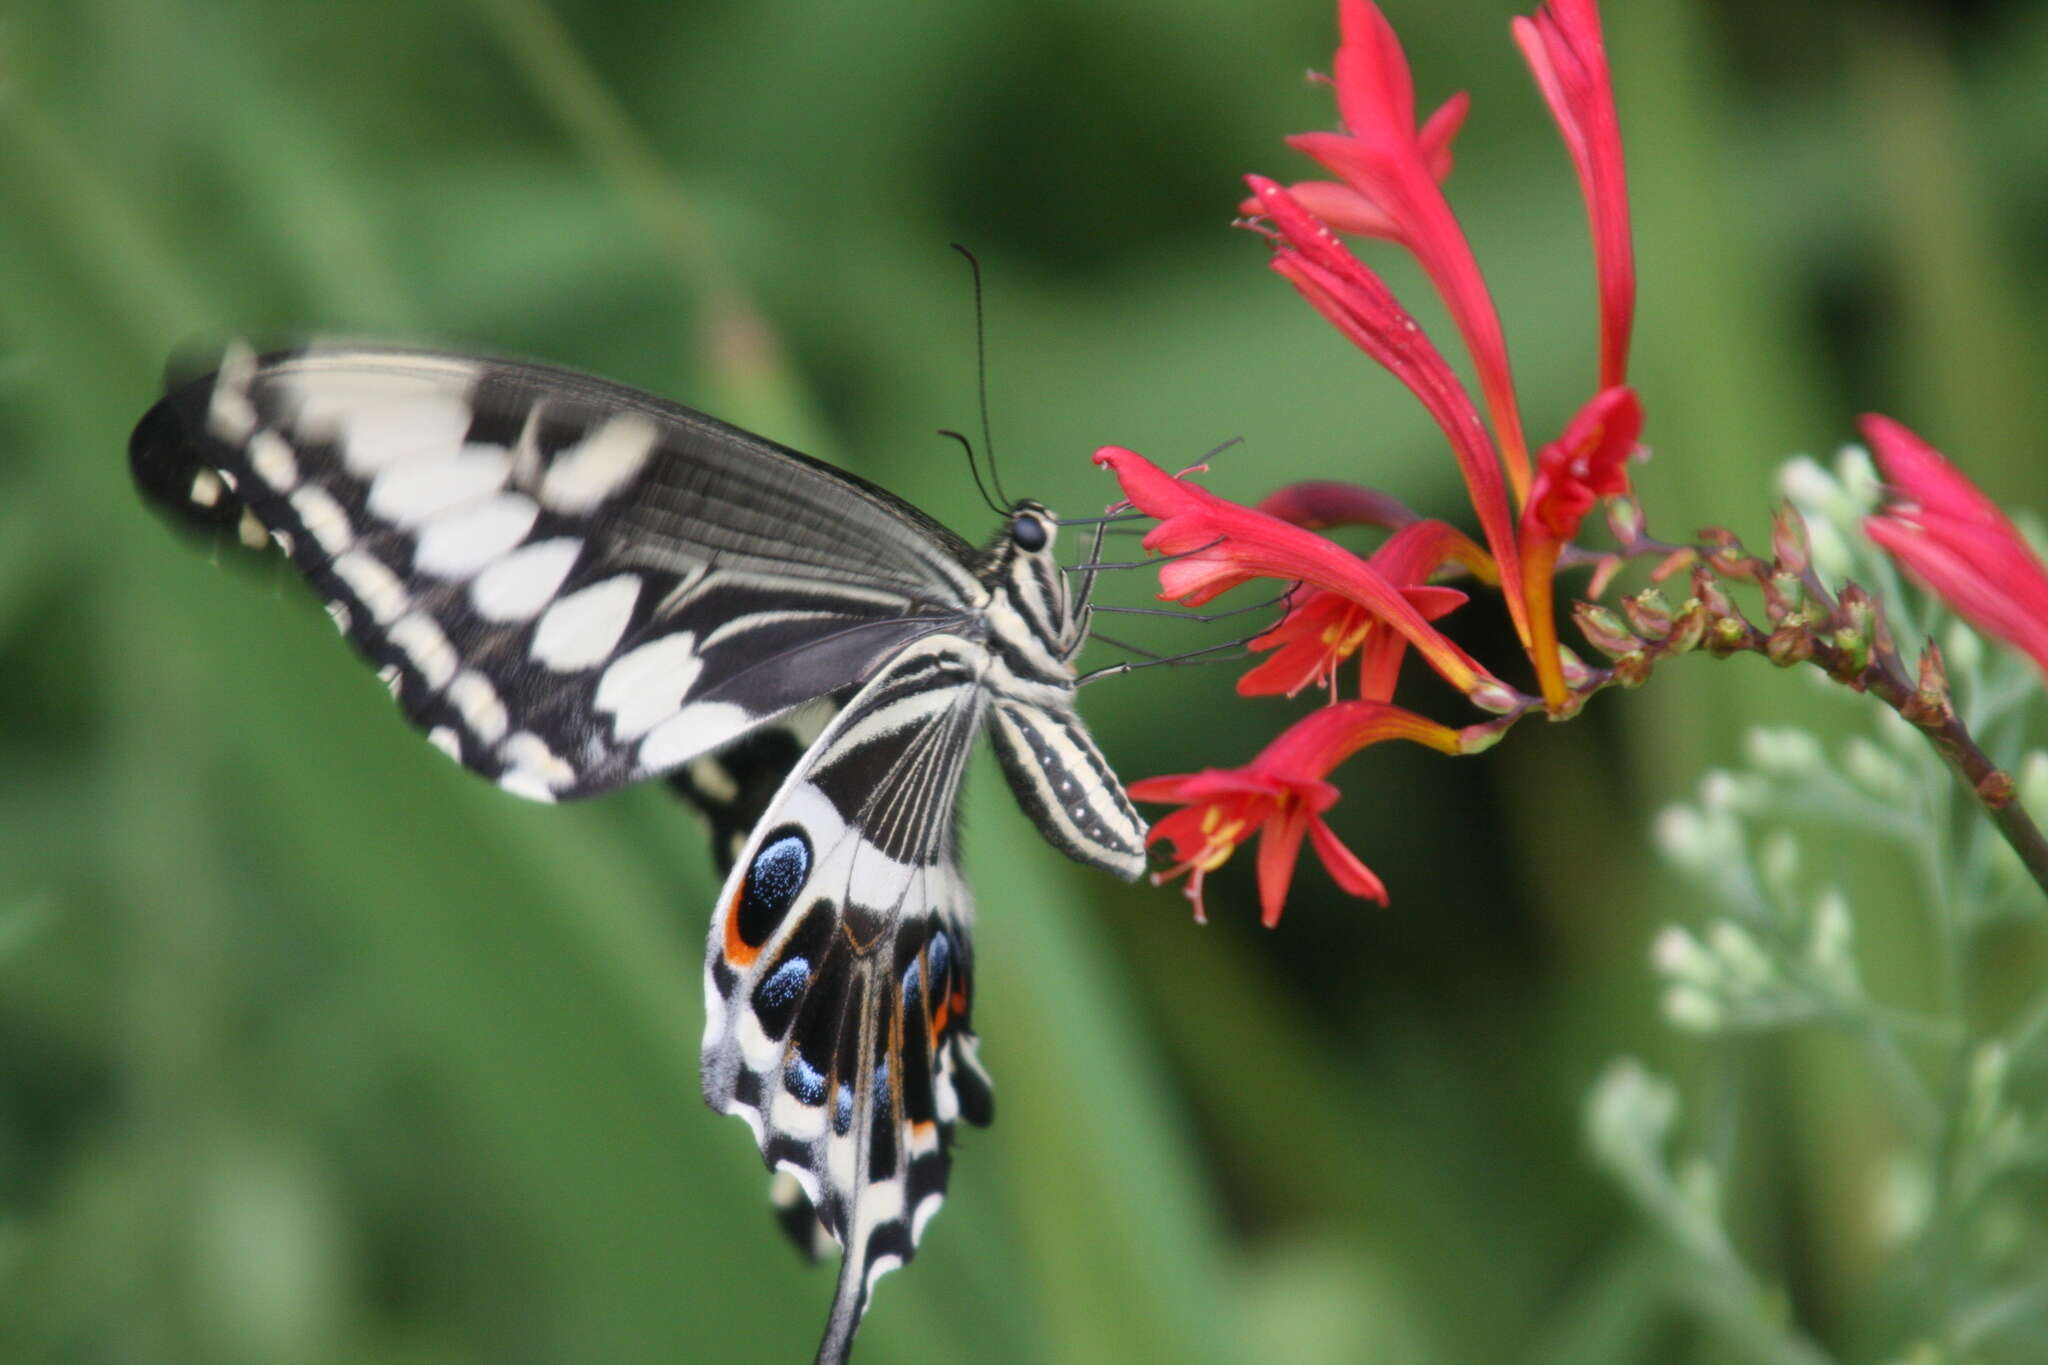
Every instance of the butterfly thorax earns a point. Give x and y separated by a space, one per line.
1032 628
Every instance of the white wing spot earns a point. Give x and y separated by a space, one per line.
519 585
461 543
419 490
206 488
445 739
380 418
323 518
531 763
698 727
229 413
249 530
599 465
477 701
926 1207
804 1122
392 679
646 685
270 455
337 610
580 630
375 586
420 637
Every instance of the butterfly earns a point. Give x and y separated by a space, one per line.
570 586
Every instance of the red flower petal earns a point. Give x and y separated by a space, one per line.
1226 544
1956 543
1279 846
1587 463
1568 56
1344 866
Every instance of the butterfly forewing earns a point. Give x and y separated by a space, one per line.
569 585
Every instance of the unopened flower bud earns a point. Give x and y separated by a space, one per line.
1604 630
1790 642
1688 624
1494 698
1625 519
1852 653
1726 636
1789 549
1649 613
1633 670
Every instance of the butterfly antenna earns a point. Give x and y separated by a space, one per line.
974 468
988 443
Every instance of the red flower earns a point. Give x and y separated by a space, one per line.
1587 463
1361 306
1568 57
1391 168
1956 543
1316 503
1280 796
1392 173
1322 629
1220 545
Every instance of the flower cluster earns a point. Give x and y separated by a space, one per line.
1388 170
1388 174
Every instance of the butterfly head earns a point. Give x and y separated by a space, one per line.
1028 591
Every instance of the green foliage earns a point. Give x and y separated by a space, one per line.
314 1050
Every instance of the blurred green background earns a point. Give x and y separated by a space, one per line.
313 1049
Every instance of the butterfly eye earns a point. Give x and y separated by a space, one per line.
1029 532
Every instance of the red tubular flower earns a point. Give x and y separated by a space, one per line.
1382 159
1587 463
1221 545
1322 629
1568 56
1316 503
1956 543
1280 796
1361 306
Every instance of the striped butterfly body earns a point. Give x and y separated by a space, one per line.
571 586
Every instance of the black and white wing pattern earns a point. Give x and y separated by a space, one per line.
570 586
840 959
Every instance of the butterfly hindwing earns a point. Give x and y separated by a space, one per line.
839 971
569 585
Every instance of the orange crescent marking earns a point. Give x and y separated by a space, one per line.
737 950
